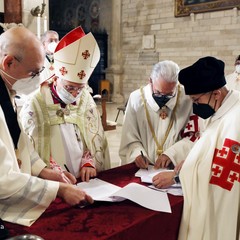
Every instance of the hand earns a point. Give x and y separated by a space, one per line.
141 162
87 172
164 179
69 177
162 161
73 195
58 176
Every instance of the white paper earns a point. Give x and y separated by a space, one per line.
146 197
175 189
147 175
100 190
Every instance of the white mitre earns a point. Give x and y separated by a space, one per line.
76 56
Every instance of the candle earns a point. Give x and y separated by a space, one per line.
39 26
45 24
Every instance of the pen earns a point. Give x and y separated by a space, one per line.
144 159
68 171
66 168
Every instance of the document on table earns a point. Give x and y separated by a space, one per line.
100 190
175 189
146 175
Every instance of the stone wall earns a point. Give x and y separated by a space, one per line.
151 33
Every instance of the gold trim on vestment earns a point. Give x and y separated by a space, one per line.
160 145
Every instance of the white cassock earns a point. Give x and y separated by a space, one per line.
23 198
233 81
64 134
210 178
137 135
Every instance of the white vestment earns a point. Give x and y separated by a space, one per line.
137 135
233 81
210 178
23 198
64 134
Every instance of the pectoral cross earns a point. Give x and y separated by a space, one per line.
163 112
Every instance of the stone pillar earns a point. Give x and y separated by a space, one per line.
115 70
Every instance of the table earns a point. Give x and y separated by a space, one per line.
104 220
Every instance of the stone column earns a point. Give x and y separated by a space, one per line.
115 70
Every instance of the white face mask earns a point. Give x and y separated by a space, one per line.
237 68
24 85
66 96
51 47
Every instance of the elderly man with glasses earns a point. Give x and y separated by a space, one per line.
210 175
62 118
159 127
25 194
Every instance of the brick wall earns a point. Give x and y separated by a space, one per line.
183 39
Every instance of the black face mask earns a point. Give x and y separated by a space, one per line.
161 101
203 110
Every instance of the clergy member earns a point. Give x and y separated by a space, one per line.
24 194
210 175
159 127
62 118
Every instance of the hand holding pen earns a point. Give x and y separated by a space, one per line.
145 160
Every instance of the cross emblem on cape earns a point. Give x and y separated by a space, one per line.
191 129
86 54
63 71
81 74
226 165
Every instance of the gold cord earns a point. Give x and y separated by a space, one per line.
160 145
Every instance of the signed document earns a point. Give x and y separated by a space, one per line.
101 190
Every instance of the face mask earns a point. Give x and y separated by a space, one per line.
237 68
203 110
161 101
51 47
65 96
24 85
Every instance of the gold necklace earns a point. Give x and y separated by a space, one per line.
160 145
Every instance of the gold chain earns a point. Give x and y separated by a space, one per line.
160 146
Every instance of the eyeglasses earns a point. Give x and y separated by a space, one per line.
71 88
32 74
167 96
196 99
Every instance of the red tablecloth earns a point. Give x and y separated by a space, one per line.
103 220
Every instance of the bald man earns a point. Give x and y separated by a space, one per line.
24 194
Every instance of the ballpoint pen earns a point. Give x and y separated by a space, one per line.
66 168
144 159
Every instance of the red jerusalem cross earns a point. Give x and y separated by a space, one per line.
63 71
192 129
81 74
226 165
86 54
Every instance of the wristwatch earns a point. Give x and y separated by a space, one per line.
176 179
